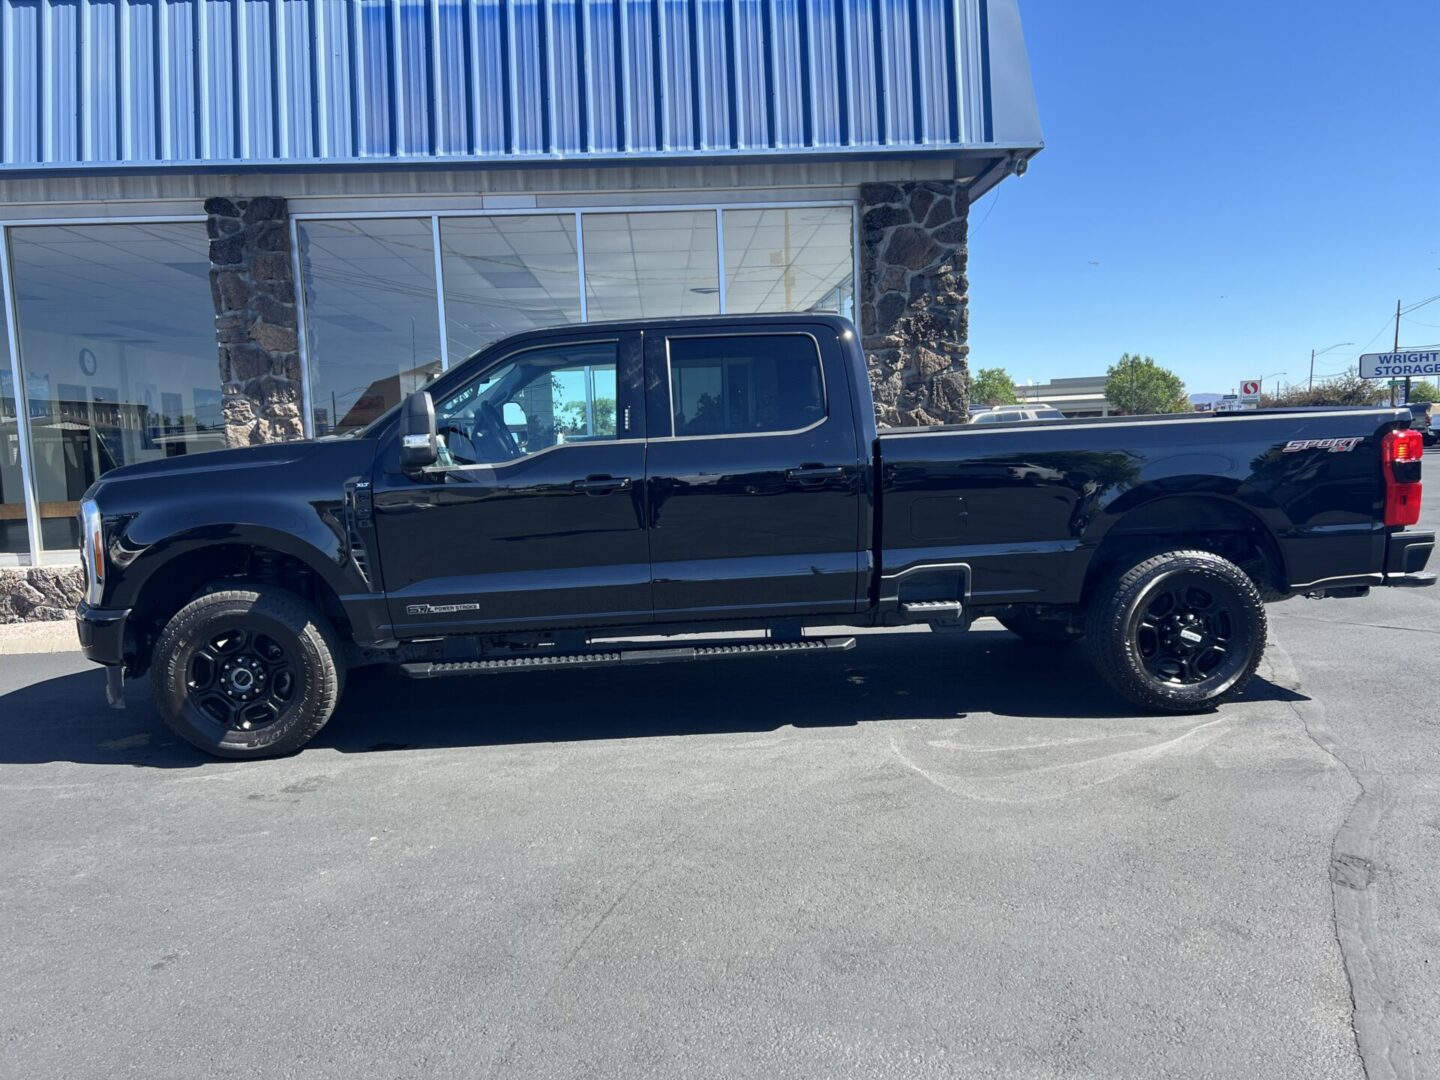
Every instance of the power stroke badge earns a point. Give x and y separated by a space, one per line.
439 609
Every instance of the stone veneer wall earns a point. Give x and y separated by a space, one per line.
256 327
913 307
37 593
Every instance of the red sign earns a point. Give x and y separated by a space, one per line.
1250 388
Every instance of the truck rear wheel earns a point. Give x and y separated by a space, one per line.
247 673
1181 631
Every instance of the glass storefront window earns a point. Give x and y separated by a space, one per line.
372 322
117 338
506 274
784 259
652 264
14 539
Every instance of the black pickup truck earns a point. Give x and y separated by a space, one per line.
601 494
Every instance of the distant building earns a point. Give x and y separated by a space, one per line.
1081 396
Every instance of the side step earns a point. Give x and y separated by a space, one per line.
426 669
933 609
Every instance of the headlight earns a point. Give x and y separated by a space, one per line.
92 551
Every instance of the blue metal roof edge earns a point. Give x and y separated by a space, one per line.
198 83
980 153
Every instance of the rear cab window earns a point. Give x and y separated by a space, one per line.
745 384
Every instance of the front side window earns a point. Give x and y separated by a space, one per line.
745 385
533 401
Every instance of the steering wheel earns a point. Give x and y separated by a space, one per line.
495 428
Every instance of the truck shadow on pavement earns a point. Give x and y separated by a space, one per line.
890 677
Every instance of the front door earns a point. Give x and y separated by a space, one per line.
754 473
534 518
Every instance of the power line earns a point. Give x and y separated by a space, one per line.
990 210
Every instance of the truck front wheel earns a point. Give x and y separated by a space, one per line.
247 673
1181 631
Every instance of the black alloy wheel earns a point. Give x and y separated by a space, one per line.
1180 631
1183 636
247 673
242 678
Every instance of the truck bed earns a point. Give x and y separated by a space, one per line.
1024 506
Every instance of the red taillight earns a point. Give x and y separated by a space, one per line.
1401 454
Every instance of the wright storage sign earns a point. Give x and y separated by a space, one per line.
1397 365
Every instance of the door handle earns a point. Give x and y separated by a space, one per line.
602 485
815 474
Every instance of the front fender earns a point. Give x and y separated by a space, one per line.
138 556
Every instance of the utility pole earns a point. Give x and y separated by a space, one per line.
1311 384
1397 349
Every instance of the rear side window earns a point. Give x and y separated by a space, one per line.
745 385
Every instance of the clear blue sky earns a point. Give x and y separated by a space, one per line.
1226 184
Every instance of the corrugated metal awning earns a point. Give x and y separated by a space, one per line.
206 84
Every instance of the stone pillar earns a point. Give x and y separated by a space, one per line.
256 327
913 308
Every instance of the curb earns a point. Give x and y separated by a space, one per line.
38 637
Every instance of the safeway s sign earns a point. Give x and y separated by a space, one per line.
1250 390
1398 365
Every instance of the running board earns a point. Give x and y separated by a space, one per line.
661 654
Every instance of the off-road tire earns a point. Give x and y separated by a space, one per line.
1041 631
282 618
1125 602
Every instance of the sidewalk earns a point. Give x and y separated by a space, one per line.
38 637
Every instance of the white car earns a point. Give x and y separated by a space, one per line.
1009 414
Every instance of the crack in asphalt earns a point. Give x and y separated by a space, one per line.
503 1060
1381 1045
1369 625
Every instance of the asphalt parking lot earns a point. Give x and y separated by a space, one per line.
932 856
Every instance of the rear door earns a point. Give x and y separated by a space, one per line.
535 518
753 473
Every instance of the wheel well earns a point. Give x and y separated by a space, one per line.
197 572
1191 521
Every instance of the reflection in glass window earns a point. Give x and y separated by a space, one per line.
13 538
649 265
507 274
372 328
539 399
784 259
744 385
117 339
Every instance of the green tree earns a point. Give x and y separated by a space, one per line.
993 386
573 415
1424 391
1137 385
1347 389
